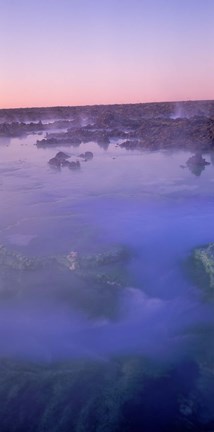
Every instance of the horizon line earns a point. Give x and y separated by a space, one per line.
103 104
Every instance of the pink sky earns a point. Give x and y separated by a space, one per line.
67 53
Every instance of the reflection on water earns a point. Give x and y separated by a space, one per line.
4 141
142 200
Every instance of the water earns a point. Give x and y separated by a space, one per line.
146 201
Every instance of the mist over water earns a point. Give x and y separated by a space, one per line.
148 202
148 326
141 200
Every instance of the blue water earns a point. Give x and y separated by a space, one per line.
145 201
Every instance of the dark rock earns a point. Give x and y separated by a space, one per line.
117 133
152 126
102 138
58 124
73 165
130 144
46 142
85 134
62 156
87 155
157 133
200 267
106 119
126 115
197 159
56 141
197 164
17 129
82 134
57 161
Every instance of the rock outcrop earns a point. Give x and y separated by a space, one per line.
201 268
197 164
93 283
87 156
60 160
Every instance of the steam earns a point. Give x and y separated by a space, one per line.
149 326
189 109
179 112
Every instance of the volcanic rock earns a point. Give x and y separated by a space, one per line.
73 165
87 155
60 160
197 164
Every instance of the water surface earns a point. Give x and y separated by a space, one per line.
149 202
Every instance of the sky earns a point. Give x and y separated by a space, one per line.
85 52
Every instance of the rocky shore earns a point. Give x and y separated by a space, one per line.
154 126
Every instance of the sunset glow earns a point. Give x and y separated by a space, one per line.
79 52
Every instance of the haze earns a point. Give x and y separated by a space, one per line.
79 52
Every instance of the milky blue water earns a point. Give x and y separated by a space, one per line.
147 201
